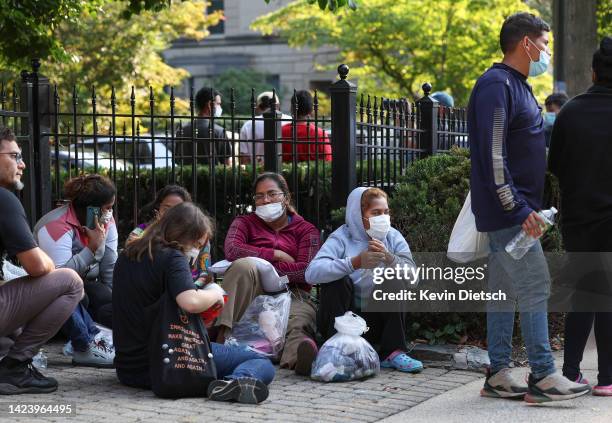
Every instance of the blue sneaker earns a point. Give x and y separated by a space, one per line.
401 361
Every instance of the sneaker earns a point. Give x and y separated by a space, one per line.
245 390
23 378
306 354
98 354
602 390
554 387
581 379
503 384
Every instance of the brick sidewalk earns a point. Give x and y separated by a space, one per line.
99 397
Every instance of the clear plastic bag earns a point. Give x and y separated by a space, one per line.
263 326
346 355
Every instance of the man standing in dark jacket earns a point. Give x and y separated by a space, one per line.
508 152
581 157
209 144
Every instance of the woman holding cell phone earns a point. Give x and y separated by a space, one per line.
82 236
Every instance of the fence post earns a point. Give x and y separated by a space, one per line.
428 107
36 100
272 131
343 139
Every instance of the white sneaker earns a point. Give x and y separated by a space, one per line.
98 354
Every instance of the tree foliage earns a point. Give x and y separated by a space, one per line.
105 50
396 46
242 81
604 18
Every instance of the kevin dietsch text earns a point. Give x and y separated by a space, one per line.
427 295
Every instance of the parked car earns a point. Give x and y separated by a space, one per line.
85 158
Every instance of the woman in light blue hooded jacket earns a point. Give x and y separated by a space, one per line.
343 266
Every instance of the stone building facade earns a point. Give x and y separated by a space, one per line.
232 44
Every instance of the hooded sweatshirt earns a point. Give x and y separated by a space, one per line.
333 261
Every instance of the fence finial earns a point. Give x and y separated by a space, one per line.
343 71
426 88
35 65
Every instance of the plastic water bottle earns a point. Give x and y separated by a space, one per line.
40 360
522 242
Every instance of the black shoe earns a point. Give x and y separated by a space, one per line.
245 390
23 378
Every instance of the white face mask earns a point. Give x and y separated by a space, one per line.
379 226
218 111
270 212
192 254
105 218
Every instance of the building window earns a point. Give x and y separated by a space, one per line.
213 7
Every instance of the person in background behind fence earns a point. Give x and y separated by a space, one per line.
581 157
166 198
207 106
62 233
276 233
553 104
508 155
343 268
32 308
157 263
311 141
264 103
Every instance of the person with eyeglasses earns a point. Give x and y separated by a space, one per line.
33 307
276 233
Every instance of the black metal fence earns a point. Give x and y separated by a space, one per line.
366 141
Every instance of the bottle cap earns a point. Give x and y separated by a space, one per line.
554 210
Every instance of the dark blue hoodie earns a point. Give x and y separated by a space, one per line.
508 149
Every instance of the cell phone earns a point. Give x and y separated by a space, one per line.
91 213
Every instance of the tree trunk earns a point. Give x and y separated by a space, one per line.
575 43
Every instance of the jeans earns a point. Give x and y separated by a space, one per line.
80 328
231 362
527 282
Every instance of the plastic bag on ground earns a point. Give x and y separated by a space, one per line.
263 326
346 355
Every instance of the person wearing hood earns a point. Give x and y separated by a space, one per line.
344 266
276 233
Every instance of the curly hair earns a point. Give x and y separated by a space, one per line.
89 190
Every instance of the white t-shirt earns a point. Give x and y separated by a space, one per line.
246 133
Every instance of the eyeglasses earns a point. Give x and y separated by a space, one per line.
272 195
16 156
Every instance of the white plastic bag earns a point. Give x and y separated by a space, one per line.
346 355
466 244
10 271
263 326
270 280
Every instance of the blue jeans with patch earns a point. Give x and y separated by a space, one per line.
526 282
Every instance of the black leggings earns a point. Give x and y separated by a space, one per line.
592 296
99 302
577 329
388 330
